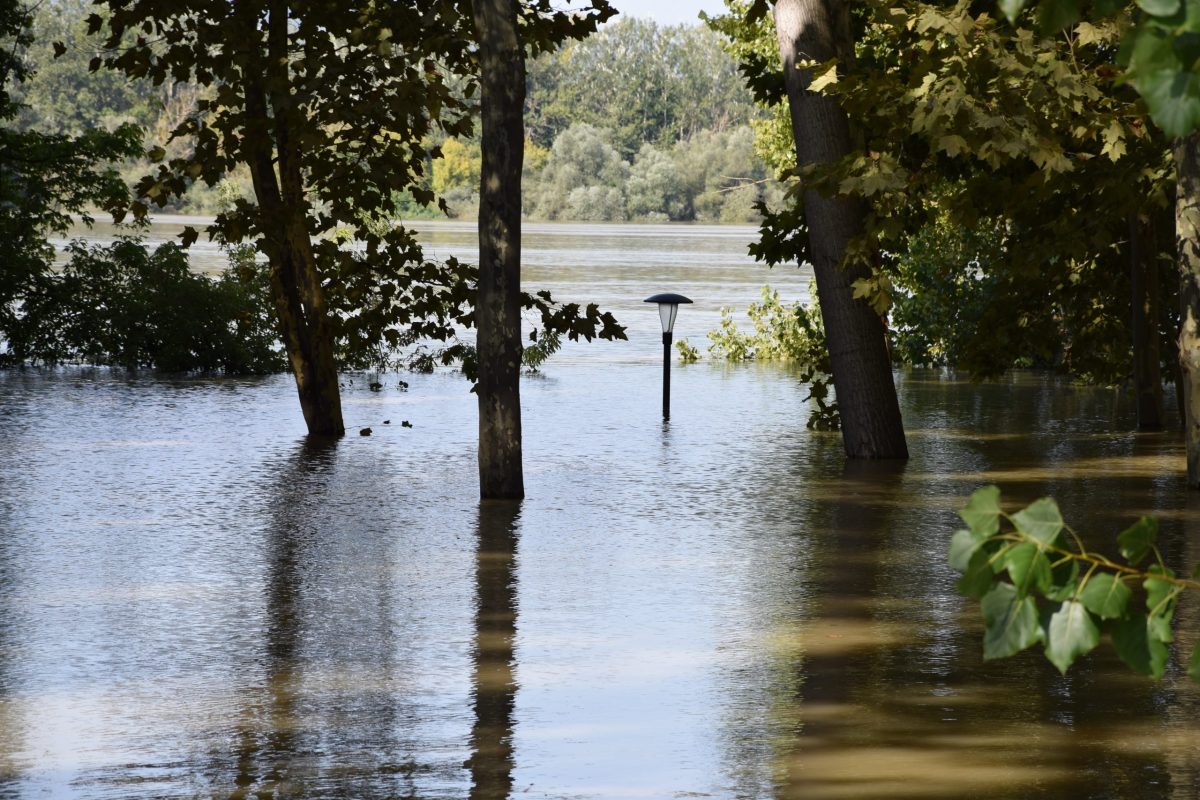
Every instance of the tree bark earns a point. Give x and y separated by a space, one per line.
1147 357
275 171
1187 240
498 305
862 372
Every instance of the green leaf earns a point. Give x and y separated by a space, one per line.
979 577
1136 540
1159 8
982 512
1011 8
1106 596
1137 648
1040 520
1057 15
1011 622
1072 633
827 78
1194 664
962 546
1159 592
1028 568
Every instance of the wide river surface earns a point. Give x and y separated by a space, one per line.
196 602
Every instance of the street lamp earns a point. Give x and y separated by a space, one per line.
668 306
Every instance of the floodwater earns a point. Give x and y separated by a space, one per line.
195 602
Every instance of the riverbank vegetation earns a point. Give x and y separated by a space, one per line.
639 122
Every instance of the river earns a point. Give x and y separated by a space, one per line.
195 602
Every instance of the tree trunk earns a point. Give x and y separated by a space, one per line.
1147 358
1187 239
498 306
862 372
300 306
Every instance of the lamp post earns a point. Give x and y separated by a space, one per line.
668 306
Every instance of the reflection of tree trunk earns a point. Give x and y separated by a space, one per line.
1147 360
491 761
844 633
264 756
498 308
862 371
301 311
1187 238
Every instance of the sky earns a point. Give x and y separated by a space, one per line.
668 12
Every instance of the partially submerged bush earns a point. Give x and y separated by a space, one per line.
124 304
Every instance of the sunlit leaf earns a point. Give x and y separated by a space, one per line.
1106 596
1011 622
1071 633
1194 664
1136 540
982 512
826 78
962 546
1040 520
1011 8
1159 8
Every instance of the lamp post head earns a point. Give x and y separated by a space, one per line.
668 305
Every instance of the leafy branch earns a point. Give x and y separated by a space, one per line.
1037 582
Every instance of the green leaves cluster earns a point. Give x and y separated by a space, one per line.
124 304
1037 583
999 168
1159 51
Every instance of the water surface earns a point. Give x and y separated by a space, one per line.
195 602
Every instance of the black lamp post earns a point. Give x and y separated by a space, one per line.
668 306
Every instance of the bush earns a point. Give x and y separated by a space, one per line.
123 304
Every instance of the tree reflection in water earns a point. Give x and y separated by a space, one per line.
494 684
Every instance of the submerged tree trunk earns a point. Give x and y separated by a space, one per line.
1147 358
275 171
862 372
1187 239
498 306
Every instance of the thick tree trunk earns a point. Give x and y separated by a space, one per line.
498 307
1187 239
301 311
862 372
1147 358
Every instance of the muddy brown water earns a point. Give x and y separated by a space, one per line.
195 602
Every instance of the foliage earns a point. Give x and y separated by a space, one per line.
712 177
65 97
647 84
792 333
587 171
688 353
44 178
1038 583
1159 52
1000 169
344 114
122 304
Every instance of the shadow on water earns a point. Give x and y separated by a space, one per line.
494 684
884 693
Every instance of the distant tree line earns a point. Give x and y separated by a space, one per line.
639 122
